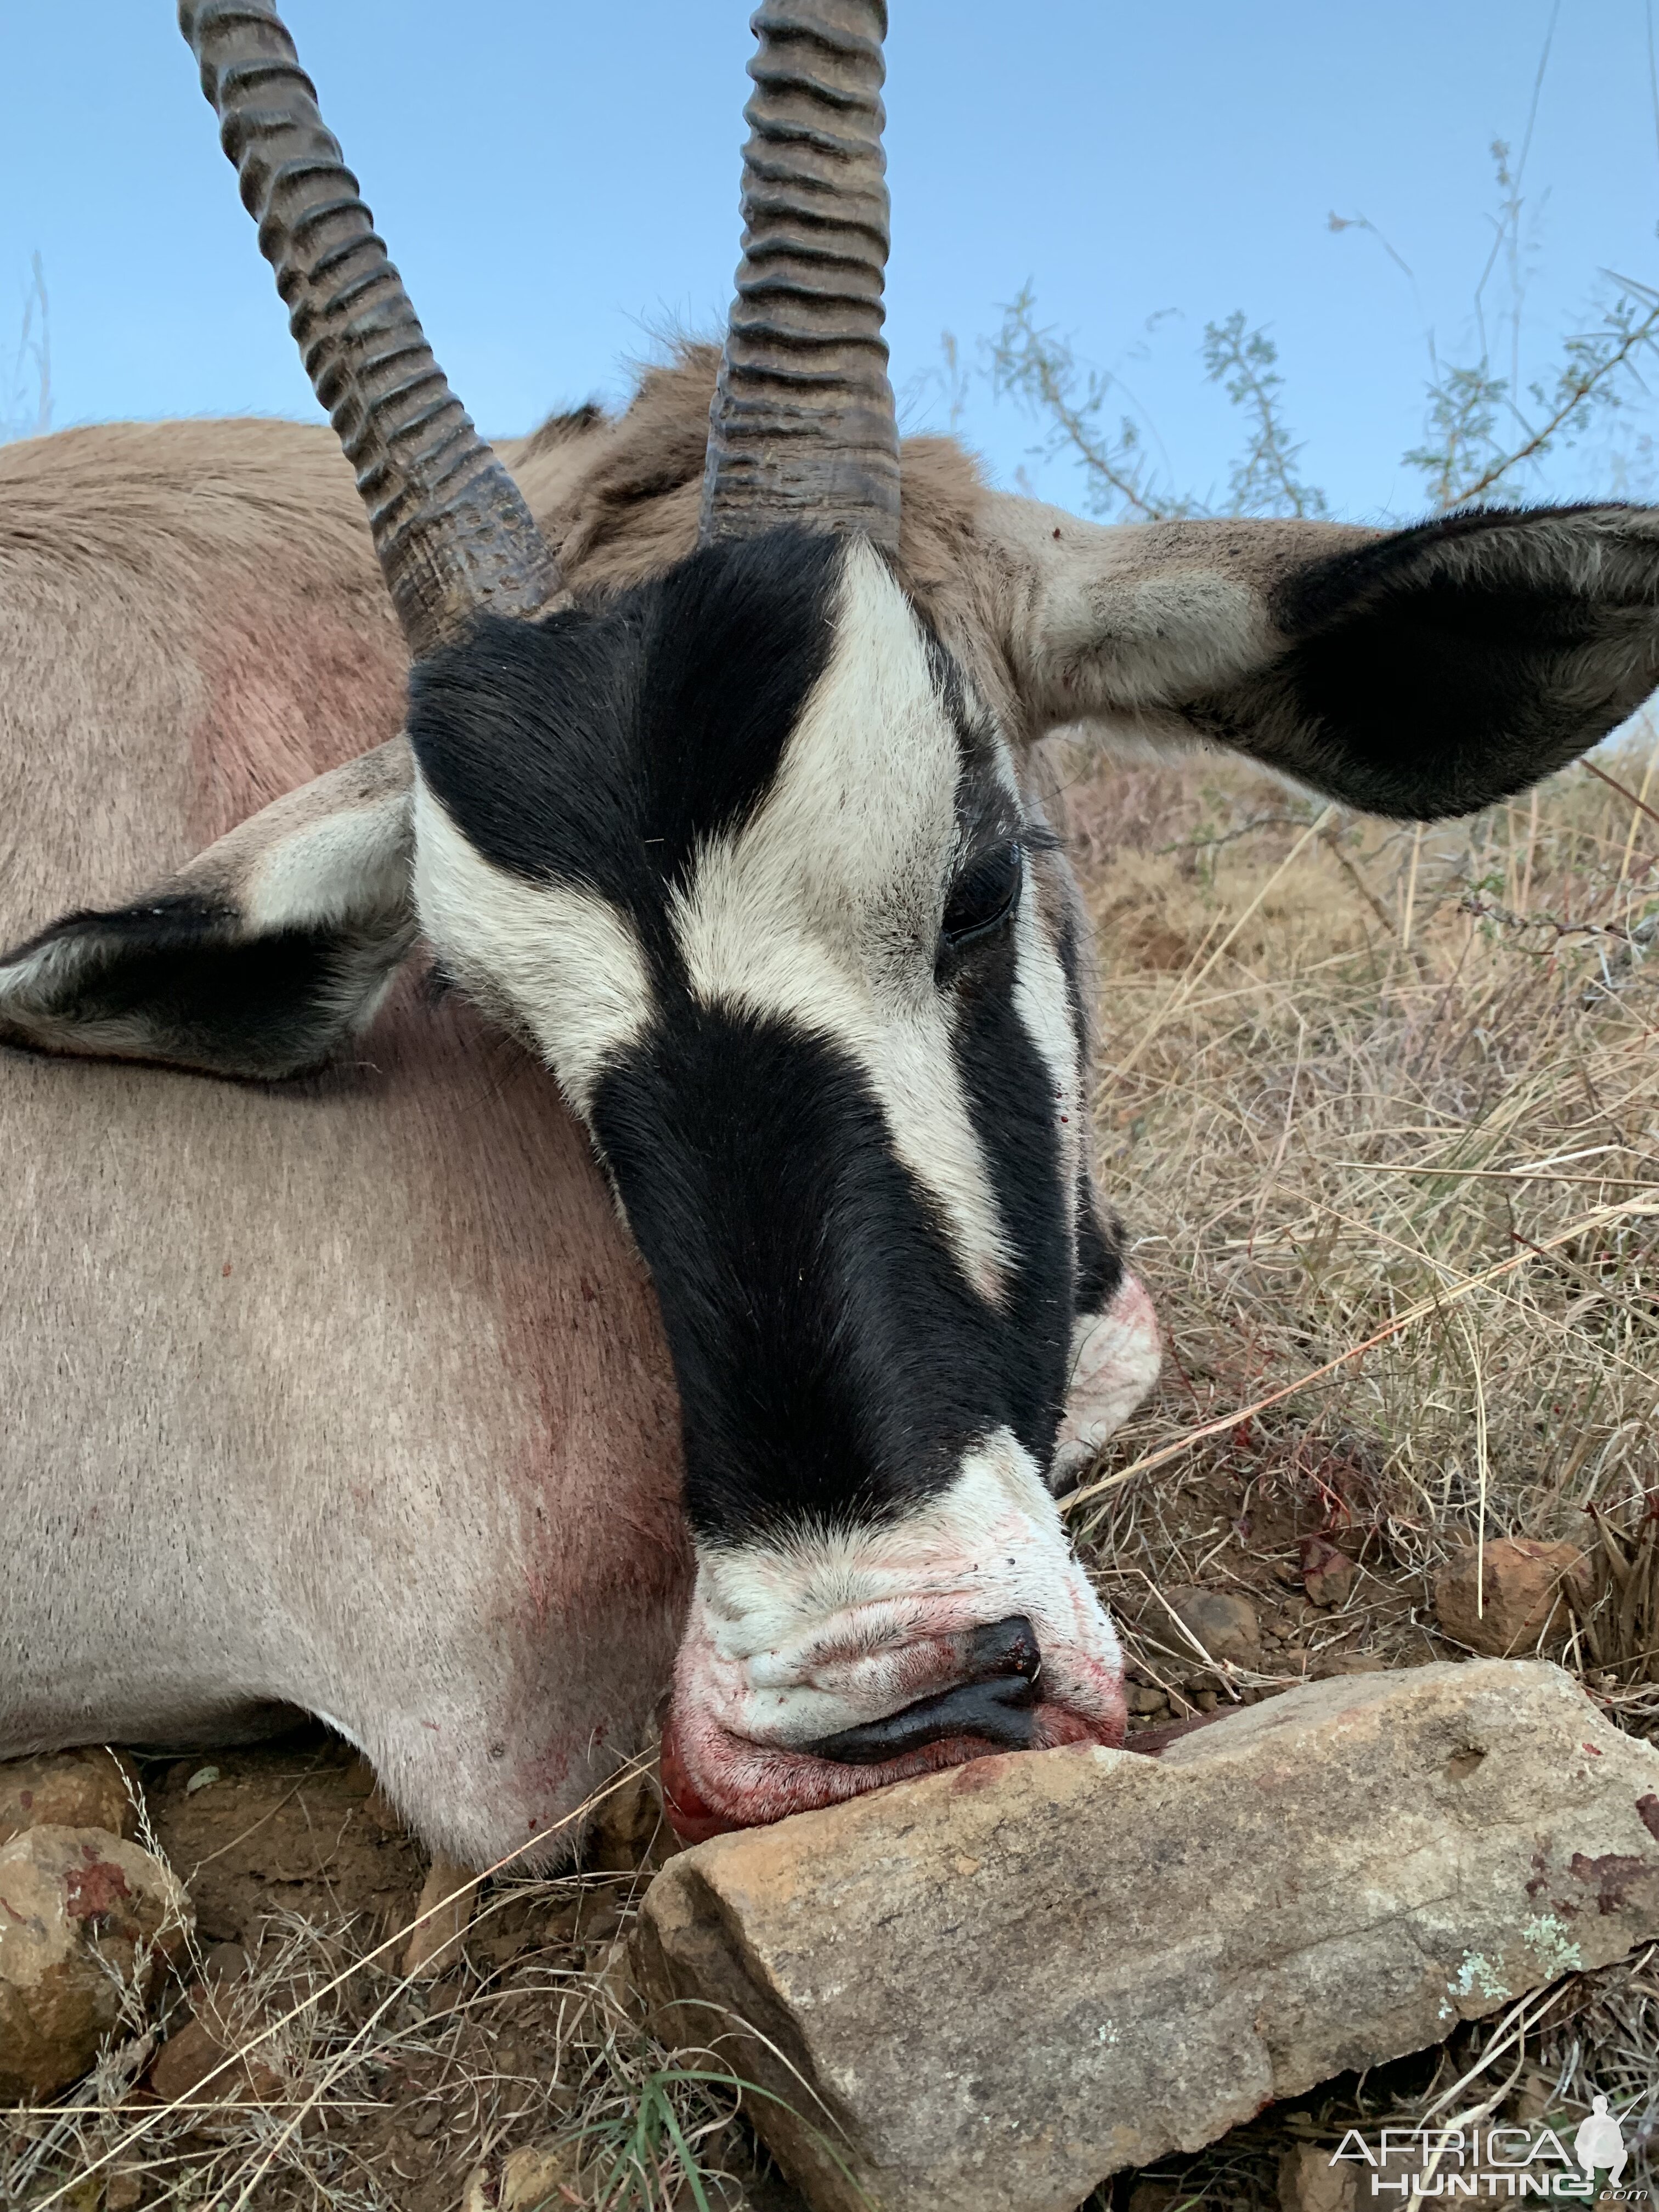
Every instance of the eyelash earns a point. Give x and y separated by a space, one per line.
983 880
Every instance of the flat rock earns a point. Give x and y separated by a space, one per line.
82 1789
84 1913
993 1987
1524 1590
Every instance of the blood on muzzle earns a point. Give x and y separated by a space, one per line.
994 1701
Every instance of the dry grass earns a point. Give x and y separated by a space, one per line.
1350 1075
1411 1078
1334 1123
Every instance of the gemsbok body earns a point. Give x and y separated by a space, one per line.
574 1179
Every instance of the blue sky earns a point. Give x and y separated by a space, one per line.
557 182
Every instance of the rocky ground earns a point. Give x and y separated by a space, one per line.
1351 1075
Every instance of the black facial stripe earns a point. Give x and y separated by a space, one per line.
1099 1264
1066 919
1010 1089
831 1358
601 747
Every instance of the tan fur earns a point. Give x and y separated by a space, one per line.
357 1382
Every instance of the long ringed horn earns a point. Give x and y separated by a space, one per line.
802 426
454 537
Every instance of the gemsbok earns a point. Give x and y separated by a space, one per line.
642 1232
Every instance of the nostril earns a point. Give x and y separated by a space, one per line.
1001 1663
1004 1647
999 1710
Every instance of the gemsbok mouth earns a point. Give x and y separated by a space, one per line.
714 1782
815 1671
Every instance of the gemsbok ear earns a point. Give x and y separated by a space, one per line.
1417 673
260 958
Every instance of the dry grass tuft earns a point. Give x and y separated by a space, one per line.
1336 1091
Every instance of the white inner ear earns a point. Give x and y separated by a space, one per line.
333 870
563 961
823 910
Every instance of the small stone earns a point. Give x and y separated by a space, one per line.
614 1972
125 2189
1149 2195
1377 1857
1327 1575
1225 1624
82 1789
1309 2182
1325 1664
1324 1667
1140 1700
443 1913
223 1962
628 1830
84 1913
1524 1596
538 2175
190 2067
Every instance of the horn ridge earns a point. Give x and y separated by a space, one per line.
453 537
803 425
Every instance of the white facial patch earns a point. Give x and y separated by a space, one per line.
563 963
1044 1006
1115 1358
792 1642
824 909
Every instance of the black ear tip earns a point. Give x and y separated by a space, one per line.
1446 668
179 979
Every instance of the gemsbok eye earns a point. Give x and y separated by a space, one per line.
984 896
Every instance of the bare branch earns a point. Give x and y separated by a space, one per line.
1245 362
1037 367
27 409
